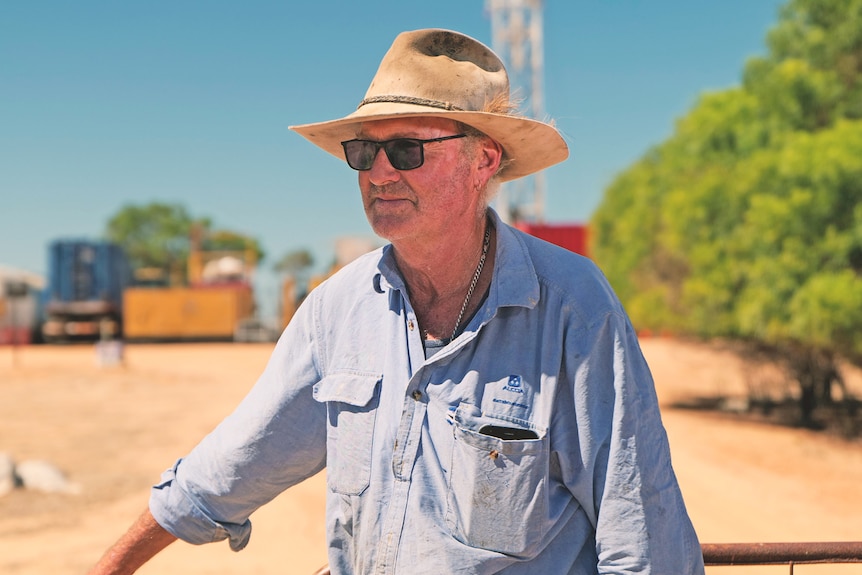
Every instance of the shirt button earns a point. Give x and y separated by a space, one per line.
417 395
410 325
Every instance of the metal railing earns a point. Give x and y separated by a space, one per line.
791 554
733 554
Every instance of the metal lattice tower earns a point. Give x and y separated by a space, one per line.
516 29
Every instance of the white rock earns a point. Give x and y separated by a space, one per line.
44 476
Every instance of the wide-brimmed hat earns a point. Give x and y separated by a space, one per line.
446 74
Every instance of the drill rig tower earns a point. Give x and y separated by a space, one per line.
516 29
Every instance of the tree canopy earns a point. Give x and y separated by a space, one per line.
294 263
747 222
152 236
158 236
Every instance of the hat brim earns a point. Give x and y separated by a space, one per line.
528 145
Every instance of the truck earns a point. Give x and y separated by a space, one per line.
83 299
20 306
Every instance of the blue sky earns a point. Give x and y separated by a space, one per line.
105 104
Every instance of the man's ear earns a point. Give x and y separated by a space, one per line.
490 157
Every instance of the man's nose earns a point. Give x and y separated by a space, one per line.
381 171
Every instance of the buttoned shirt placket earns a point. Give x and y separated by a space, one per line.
408 436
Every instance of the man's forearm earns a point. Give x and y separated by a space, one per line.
144 539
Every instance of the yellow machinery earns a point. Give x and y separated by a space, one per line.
193 313
217 299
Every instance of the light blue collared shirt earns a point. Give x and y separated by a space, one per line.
417 482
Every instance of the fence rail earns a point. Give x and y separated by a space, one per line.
782 553
732 554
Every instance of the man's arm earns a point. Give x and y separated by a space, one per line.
143 541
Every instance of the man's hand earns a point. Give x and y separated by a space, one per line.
143 541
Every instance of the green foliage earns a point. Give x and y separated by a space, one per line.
747 222
294 263
153 236
226 240
157 236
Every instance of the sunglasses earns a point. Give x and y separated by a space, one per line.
403 153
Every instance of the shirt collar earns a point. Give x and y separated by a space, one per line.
518 286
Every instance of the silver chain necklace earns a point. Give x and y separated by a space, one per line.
485 245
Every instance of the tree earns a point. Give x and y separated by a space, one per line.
226 240
153 236
747 222
158 236
295 264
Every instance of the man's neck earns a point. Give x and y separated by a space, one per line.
438 277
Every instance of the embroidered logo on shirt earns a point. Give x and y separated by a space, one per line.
514 384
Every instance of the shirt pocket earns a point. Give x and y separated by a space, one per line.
497 497
351 407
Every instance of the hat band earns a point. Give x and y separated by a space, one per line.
409 100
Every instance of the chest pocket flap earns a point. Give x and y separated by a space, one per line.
351 405
350 388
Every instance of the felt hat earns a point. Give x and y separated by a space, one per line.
446 74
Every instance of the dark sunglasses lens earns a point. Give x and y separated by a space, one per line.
404 154
360 153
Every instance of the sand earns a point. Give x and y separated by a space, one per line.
114 428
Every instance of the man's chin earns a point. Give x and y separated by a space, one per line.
390 229
390 216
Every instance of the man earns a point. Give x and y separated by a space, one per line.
477 396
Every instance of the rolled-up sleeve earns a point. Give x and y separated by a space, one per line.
175 510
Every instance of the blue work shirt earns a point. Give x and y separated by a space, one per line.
532 443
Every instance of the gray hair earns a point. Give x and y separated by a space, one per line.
474 136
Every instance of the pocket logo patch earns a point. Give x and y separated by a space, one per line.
514 384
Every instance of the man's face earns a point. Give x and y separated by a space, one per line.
425 203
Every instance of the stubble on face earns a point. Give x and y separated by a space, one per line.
398 210
388 207
425 202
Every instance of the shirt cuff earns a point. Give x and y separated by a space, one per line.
177 512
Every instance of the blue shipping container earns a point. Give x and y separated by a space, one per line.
86 280
82 270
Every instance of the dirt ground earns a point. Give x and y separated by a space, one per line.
113 429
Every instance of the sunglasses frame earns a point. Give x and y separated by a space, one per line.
385 146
